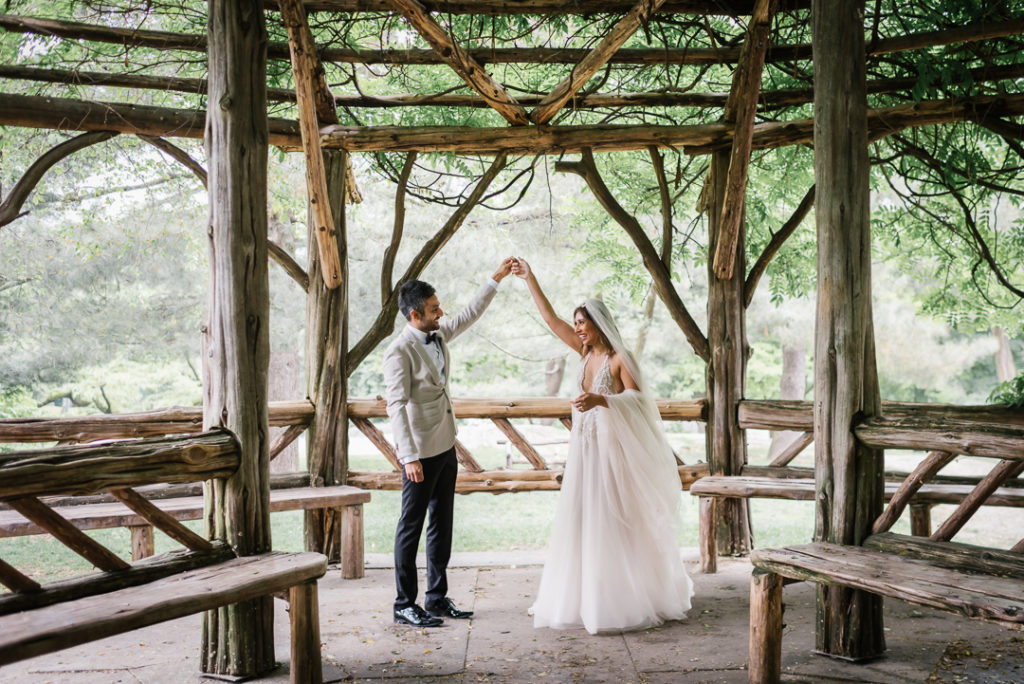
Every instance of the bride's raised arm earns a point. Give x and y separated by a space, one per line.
562 329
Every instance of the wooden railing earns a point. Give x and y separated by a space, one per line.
472 477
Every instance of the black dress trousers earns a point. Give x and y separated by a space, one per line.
436 494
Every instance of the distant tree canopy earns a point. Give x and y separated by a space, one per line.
947 198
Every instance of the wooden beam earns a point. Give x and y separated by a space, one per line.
87 468
69 535
927 434
165 522
740 111
768 99
304 63
1003 471
730 8
378 439
163 40
238 640
848 474
793 450
595 59
520 443
924 471
133 425
67 114
528 407
458 59
17 582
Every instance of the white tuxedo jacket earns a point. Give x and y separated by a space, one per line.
418 403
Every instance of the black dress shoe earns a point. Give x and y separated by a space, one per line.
417 617
445 608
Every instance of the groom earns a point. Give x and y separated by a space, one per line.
416 370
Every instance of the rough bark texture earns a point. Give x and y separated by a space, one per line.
726 369
238 639
849 476
326 379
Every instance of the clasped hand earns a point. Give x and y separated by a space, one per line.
589 400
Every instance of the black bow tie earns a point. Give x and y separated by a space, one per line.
432 337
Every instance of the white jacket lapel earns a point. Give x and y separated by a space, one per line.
421 349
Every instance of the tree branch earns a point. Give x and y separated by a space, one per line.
178 154
290 265
774 244
388 266
10 209
385 321
587 169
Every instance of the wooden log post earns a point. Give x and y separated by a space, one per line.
725 376
326 363
848 475
304 618
238 640
766 613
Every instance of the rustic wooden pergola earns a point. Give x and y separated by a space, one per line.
849 426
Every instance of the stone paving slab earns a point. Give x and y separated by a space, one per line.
500 645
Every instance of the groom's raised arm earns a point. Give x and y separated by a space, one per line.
397 393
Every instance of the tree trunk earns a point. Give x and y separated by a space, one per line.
726 371
326 380
792 386
848 475
1005 369
238 640
554 371
284 384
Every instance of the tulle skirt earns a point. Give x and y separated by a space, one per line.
613 563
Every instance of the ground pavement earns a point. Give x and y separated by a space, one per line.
500 645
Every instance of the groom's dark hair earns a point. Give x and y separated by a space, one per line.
412 296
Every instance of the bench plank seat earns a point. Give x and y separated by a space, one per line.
802 489
980 597
105 515
44 630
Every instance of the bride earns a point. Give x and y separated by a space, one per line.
613 562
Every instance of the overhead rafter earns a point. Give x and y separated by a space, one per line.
739 111
768 99
500 7
464 65
164 40
306 71
65 114
595 59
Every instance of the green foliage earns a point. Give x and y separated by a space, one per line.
1010 393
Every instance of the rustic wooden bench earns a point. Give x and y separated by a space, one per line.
348 501
711 488
976 582
37 619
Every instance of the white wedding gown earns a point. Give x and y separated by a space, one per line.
613 563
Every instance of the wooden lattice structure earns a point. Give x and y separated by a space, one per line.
742 44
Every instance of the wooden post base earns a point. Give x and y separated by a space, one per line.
142 541
921 520
304 616
352 559
765 628
709 534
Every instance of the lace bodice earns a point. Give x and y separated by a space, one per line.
603 382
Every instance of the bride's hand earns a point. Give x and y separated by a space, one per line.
521 268
589 400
